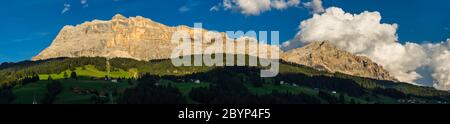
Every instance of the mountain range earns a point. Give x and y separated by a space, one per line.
129 60
143 39
326 57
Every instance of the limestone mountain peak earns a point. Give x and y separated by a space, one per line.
143 39
134 37
325 56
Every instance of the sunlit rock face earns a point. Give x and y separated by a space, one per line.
143 39
325 56
135 37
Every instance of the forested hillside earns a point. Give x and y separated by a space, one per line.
101 80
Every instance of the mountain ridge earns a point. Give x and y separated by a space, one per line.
324 56
144 39
135 37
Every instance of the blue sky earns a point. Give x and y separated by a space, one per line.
29 26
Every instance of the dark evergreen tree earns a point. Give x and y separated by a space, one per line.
6 96
53 89
147 92
328 97
65 75
342 99
73 75
352 101
50 78
130 82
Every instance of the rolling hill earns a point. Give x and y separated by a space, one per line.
126 76
127 60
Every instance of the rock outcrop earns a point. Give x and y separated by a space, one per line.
135 37
324 56
143 39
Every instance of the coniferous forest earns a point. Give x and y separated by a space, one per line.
126 81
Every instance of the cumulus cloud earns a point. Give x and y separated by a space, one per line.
66 8
364 34
255 7
282 4
441 68
315 5
439 63
279 4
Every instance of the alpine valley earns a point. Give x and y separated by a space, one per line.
127 61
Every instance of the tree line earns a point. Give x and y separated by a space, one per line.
13 72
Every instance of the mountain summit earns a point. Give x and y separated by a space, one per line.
324 56
135 37
143 39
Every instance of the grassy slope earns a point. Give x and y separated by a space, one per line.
25 94
268 88
91 71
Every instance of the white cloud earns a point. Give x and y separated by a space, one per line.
84 3
255 7
364 34
441 68
183 9
66 8
227 4
214 8
279 4
439 63
293 2
283 4
315 5
188 7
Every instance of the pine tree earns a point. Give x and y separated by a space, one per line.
352 101
73 75
130 82
65 75
50 77
342 98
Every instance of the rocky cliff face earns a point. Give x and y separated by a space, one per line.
143 39
324 56
135 37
